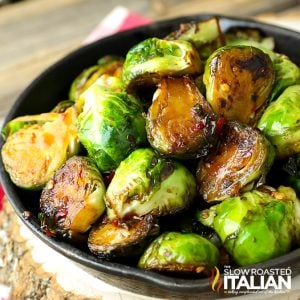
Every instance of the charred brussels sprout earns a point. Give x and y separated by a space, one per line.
242 159
239 80
110 126
108 72
286 74
145 183
280 122
36 146
180 122
256 226
154 58
180 252
206 36
72 200
115 238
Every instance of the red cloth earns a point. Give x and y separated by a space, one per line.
133 20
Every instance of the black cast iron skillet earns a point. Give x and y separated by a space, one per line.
53 85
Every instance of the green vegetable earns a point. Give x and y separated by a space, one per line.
37 146
239 162
73 199
249 37
26 121
239 81
286 74
110 126
180 252
108 72
115 238
180 122
146 183
206 35
280 122
155 58
257 225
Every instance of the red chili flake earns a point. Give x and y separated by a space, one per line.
117 223
198 126
48 232
220 124
61 214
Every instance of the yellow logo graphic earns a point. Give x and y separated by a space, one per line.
215 280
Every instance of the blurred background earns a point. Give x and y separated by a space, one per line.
36 33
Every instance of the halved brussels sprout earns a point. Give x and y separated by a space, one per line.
180 252
180 122
280 122
26 121
256 226
72 200
116 238
145 183
155 58
249 37
206 35
107 67
239 81
110 126
241 160
286 74
37 146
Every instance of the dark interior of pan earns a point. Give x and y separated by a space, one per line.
53 84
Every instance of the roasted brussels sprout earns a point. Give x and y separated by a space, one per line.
116 238
72 200
26 121
280 122
180 252
242 159
286 74
108 72
110 126
180 122
145 183
256 226
239 80
206 35
36 146
154 58
249 37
